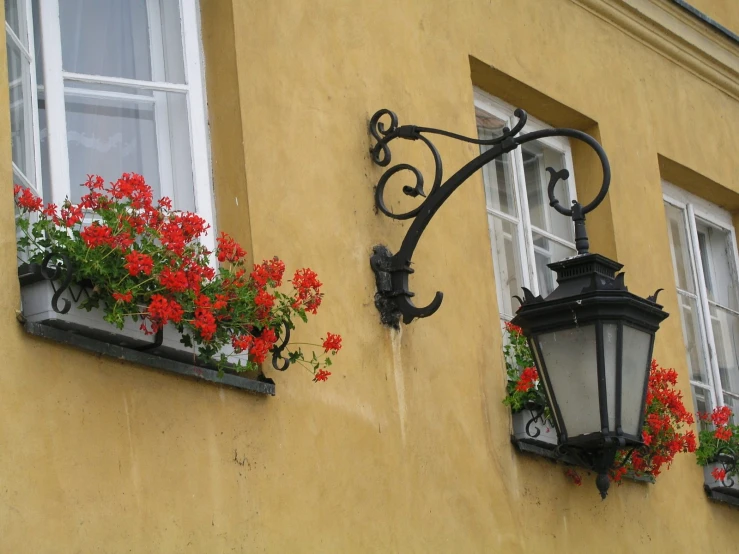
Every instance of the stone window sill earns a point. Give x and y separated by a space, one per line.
73 338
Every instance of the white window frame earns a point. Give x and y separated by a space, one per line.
693 208
504 111
32 181
54 93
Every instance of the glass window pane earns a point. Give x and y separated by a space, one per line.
726 338
681 259
693 339
112 130
133 39
21 117
536 158
15 16
497 175
733 403
717 252
545 252
507 263
702 403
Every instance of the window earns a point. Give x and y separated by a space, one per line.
118 88
526 234
704 257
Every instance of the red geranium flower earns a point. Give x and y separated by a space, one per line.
321 375
332 343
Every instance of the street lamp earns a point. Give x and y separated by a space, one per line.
591 339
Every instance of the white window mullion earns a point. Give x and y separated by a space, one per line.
161 113
56 116
34 99
198 122
526 239
505 216
122 82
16 40
554 238
706 315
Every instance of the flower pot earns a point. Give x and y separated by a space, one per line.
37 296
728 486
531 426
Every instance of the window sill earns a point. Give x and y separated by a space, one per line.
89 331
546 448
719 491
73 338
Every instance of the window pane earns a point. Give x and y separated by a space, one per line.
536 158
497 175
693 341
733 403
15 16
133 39
716 252
681 259
507 262
701 402
726 336
112 130
545 252
21 118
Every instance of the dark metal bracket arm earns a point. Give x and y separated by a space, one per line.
393 297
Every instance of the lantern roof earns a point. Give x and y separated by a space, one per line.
588 290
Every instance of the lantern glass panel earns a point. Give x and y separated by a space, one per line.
570 361
610 347
636 364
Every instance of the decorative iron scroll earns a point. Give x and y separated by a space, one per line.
728 460
393 297
537 416
58 269
279 362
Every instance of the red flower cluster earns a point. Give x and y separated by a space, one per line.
229 250
137 249
136 263
719 473
664 419
527 380
511 328
162 310
306 284
721 416
723 433
26 199
321 375
332 342
268 272
124 297
173 281
205 321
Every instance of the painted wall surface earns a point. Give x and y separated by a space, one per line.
406 448
725 12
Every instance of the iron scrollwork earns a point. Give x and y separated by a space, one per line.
537 416
59 271
394 298
727 458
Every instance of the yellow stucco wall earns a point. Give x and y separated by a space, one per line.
406 448
725 12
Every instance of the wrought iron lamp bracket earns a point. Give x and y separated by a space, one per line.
393 297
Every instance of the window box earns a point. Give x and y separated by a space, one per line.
532 427
719 490
89 331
